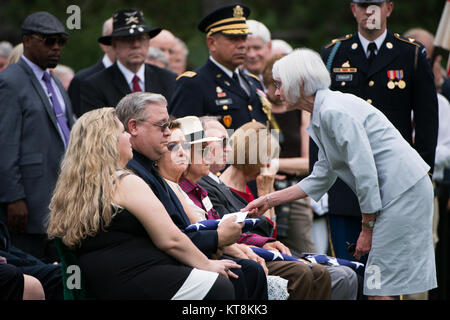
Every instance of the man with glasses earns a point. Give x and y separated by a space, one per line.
144 115
130 43
392 73
35 122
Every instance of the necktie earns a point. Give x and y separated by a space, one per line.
60 115
371 48
235 78
136 87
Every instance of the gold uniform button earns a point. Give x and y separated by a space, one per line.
369 101
371 83
253 120
225 108
250 107
343 83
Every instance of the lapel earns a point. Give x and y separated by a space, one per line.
357 57
224 81
151 80
119 81
384 57
40 91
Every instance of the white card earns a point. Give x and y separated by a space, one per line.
240 216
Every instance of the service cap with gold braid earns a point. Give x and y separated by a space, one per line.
229 20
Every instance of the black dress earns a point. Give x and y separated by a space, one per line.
121 262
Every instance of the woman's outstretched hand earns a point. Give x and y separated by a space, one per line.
257 207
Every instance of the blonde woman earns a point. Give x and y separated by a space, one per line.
127 245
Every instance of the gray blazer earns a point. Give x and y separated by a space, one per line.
30 143
358 144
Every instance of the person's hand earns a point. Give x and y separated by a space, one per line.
257 207
253 256
223 267
278 246
264 183
229 231
17 216
364 243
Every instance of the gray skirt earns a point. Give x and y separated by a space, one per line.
401 260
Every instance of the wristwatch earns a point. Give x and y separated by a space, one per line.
370 224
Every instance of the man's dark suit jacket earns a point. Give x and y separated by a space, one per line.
30 143
107 87
205 240
74 87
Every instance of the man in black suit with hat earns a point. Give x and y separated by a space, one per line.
219 88
130 42
36 117
105 62
391 73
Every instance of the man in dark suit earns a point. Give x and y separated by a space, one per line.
130 42
145 117
105 62
34 131
392 73
219 87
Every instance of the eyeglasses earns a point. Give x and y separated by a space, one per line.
277 84
50 41
174 146
163 126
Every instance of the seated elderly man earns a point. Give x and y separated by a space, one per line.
144 115
344 283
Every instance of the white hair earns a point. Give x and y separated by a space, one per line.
303 67
282 46
258 30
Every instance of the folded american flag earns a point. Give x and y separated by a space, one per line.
249 224
274 255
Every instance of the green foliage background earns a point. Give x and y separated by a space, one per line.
303 23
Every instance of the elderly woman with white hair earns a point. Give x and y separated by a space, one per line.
358 144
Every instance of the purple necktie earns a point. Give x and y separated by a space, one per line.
60 115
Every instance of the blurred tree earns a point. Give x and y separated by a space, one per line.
306 23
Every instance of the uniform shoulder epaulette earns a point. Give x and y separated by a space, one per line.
189 74
334 41
407 40
254 76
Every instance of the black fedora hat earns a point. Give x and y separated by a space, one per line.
128 22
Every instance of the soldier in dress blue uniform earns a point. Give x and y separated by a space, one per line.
219 88
397 79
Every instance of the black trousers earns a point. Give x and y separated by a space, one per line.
252 281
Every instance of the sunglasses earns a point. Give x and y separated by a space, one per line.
163 126
175 146
50 41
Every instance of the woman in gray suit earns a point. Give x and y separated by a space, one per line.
358 144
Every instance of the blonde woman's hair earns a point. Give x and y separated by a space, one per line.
253 146
81 202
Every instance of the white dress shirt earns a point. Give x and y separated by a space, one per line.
130 75
378 41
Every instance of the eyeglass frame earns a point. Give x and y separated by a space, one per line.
176 146
163 126
277 84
